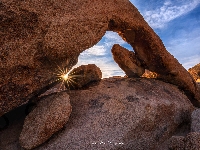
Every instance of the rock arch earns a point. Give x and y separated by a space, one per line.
36 36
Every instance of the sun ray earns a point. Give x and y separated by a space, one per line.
72 82
68 78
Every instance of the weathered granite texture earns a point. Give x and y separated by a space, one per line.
38 36
176 143
117 113
195 121
192 141
49 116
83 75
127 61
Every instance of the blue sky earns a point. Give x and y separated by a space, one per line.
177 22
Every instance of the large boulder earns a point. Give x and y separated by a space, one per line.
83 75
123 113
39 37
127 61
116 113
49 116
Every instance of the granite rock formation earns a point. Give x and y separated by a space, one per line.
189 142
38 36
127 61
49 116
83 75
176 143
195 121
118 113
195 72
192 141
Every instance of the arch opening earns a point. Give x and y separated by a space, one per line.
100 55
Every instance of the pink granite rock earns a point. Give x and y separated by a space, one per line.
38 36
49 116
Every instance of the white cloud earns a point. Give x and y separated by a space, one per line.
107 66
189 62
100 49
159 17
96 50
101 56
112 38
186 49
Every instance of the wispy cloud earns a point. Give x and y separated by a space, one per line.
112 38
102 48
186 48
96 50
107 65
189 62
168 11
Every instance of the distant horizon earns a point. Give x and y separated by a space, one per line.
176 22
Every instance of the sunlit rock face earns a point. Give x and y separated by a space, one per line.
149 74
38 36
195 72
